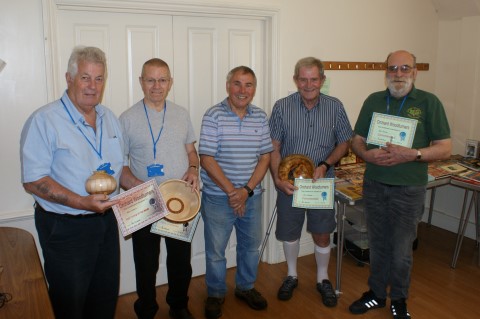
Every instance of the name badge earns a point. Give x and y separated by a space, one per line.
155 170
107 168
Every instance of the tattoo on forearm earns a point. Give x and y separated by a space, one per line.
45 190
61 199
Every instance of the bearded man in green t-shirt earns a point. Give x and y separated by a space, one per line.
396 176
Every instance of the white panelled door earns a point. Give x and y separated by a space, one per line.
205 50
127 39
200 52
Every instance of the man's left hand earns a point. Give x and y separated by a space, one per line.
237 200
396 154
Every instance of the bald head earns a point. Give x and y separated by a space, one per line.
400 73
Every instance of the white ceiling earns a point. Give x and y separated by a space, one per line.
456 9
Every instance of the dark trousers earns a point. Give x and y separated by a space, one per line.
146 252
392 213
81 262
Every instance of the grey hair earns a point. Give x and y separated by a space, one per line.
86 54
244 70
309 62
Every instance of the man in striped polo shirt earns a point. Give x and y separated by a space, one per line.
234 150
317 126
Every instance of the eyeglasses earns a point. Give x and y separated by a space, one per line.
161 81
403 68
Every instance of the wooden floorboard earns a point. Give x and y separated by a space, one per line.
437 290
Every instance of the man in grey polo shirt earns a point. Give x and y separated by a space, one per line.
160 143
314 125
234 150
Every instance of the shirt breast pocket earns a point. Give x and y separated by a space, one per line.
253 134
326 137
113 152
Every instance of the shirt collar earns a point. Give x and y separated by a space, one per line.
228 108
299 98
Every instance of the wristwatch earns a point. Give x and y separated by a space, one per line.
249 190
324 163
419 155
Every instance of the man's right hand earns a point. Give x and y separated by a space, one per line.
98 203
285 187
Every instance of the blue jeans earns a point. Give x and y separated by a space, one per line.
219 220
392 215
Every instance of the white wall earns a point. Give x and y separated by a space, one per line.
458 77
357 31
457 84
22 89
341 30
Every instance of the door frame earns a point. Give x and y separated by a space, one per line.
267 13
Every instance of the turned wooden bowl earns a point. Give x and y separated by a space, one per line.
182 203
295 166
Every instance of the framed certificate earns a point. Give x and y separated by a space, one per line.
139 206
315 195
181 231
393 129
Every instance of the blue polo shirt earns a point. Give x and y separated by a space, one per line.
235 144
56 141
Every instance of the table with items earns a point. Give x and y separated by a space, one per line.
458 171
23 288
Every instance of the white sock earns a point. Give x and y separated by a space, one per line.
291 250
322 256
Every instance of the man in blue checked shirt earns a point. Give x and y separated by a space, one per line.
234 150
315 125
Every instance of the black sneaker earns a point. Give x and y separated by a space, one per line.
252 297
329 297
399 309
286 290
367 302
213 307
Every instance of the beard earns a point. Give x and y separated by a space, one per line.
401 88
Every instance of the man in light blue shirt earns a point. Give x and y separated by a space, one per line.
62 143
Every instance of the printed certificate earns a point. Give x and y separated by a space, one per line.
318 195
389 128
139 207
181 231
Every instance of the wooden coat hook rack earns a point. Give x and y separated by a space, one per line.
364 66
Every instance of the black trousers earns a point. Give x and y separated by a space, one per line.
146 252
82 263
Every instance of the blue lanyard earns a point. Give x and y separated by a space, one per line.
99 152
401 105
155 141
